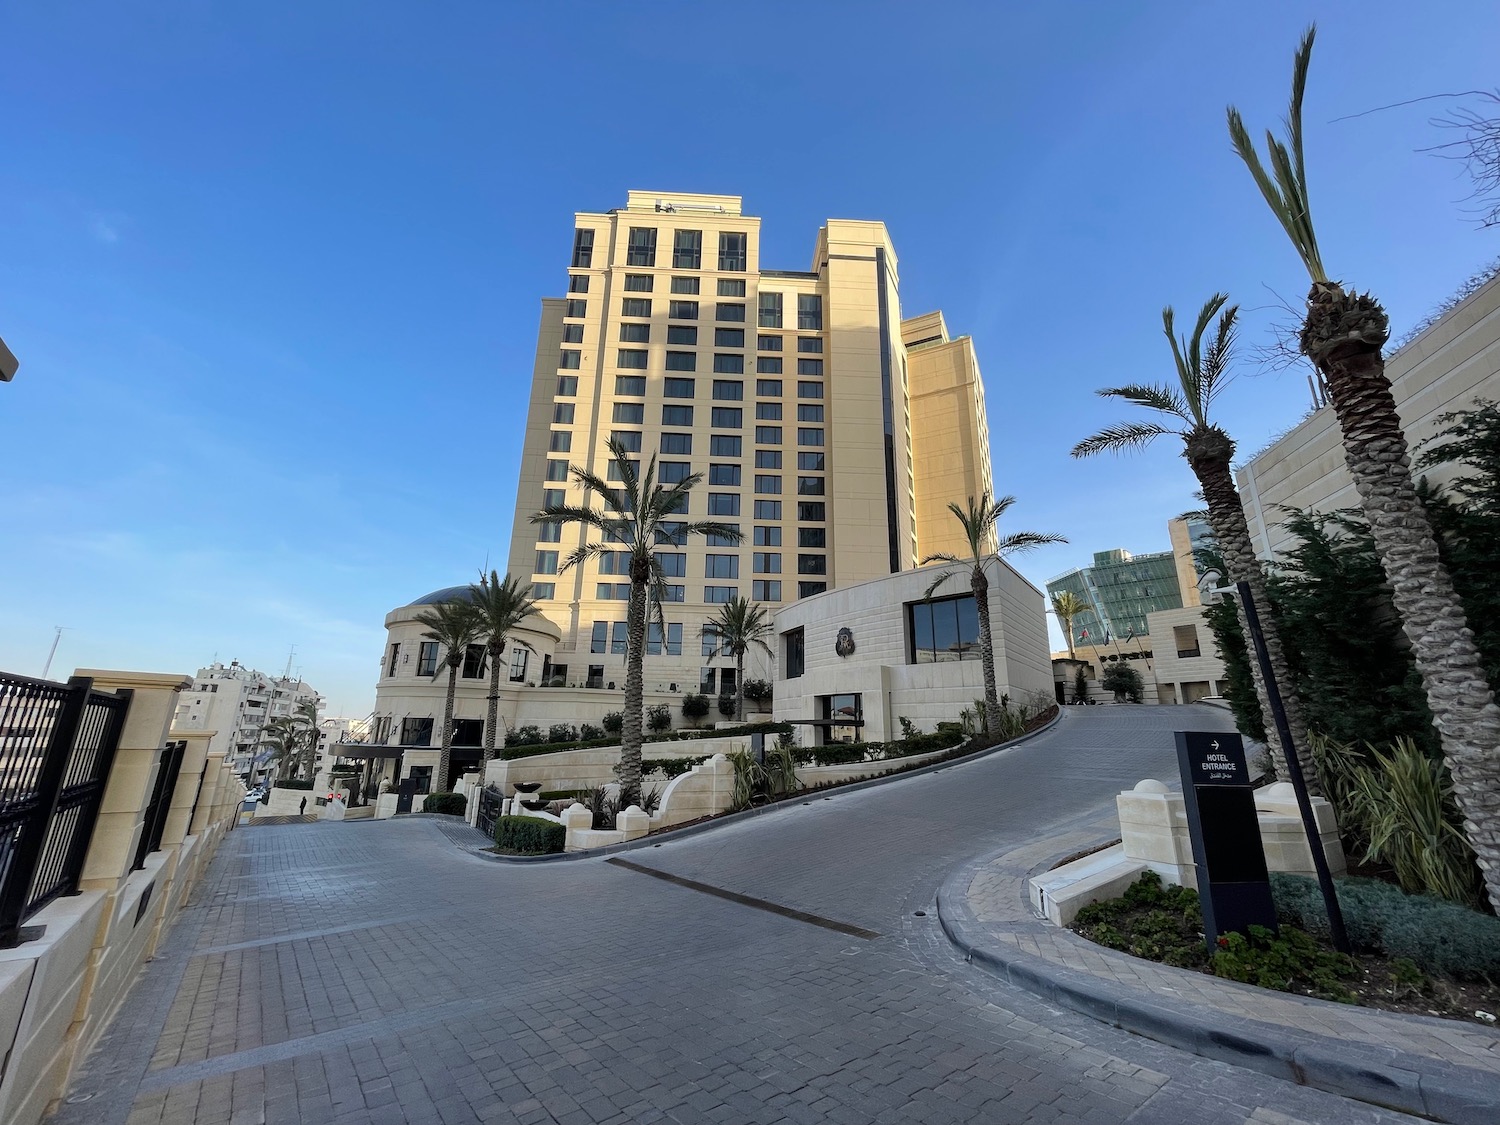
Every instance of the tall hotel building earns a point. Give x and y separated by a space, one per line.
831 431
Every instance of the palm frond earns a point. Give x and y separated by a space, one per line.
941 578
582 553
1214 372
569 513
1152 397
1286 194
1026 541
941 558
728 531
1118 439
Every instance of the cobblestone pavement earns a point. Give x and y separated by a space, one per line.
374 972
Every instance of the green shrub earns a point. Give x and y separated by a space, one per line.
1438 936
694 706
451 803
293 783
758 691
1291 961
529 835
512 750
588 732
909 729
1446 938
671 767
1122 679
1080 685
1396 805
726 705
562 732
659 717
614 722
529 735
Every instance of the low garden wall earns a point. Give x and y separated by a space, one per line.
593 766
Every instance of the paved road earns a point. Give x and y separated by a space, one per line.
372 972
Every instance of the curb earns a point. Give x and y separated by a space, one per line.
657 839
1381 1076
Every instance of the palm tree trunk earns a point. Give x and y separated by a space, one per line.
739 686
629 769
445 749
1067 624
981 587
492 719
1226 514
1343 336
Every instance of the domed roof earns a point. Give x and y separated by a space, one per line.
446 594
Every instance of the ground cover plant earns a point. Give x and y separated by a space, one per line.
1412 953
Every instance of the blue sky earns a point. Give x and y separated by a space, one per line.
273 271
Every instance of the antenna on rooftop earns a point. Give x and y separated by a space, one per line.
287 675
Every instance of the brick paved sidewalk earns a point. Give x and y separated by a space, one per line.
1443 1068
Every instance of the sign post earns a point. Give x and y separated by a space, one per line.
1234 886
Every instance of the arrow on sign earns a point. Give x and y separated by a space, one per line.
1214 744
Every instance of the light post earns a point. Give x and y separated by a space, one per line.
1241 590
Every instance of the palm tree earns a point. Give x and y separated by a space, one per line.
986 544
305 718
740 625
1343 336
501 604
1067 605
1185 410
636 515
282 739
455 626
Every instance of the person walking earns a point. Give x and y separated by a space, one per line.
302 808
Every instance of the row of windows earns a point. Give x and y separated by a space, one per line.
724 417
576 308
719 445
614 637
731 390
646 283
687 249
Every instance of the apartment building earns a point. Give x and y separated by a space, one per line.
237 703
829 430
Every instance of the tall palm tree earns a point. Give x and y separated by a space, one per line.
1185 410
1343 336
455 626
986 545
740 625
636 515
501 604
1067 605
305 718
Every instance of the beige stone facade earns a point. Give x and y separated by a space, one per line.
813 410
1185 664
1446 368
891 671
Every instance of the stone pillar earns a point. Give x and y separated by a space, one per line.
1284 837
122 814
1154 831
189 780
634 822
576 818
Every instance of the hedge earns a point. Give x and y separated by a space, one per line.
529 835
452 803
849 753
291 783
1440 937
510 753
671 767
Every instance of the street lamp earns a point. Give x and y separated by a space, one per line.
1241 590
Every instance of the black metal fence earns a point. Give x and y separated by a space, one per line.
169 764
57 743
490 800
